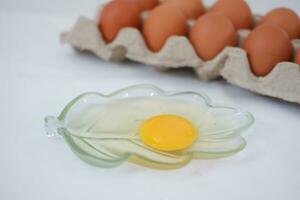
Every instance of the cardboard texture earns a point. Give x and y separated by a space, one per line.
232 63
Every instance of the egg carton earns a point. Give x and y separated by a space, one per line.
232 63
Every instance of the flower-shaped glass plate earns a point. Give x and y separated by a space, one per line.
103 130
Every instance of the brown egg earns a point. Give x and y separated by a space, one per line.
163 22
191 8
116 15
297 57
211 33
266 46
286 18
237 11
145 4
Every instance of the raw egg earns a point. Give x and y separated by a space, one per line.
237 11
145 4
148 126
163 22
168 132
191 8
116 15
286 18
297 57
211 33
266 46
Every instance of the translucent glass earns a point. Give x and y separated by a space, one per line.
103 129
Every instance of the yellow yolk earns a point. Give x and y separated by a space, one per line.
168 132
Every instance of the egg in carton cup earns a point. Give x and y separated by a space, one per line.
231 63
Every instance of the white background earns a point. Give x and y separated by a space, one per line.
38 77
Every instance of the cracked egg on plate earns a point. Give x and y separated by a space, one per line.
148 126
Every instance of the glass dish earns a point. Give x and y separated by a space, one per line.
103 129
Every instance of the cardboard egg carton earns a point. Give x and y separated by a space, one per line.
232 63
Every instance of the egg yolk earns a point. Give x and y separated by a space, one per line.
168 132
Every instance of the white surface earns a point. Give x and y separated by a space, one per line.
38 77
